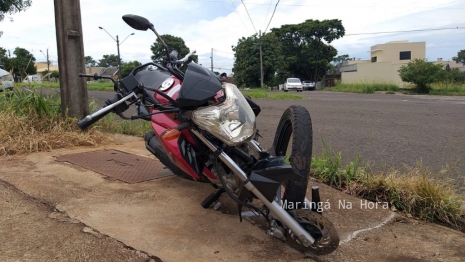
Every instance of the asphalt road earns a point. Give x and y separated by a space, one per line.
385 130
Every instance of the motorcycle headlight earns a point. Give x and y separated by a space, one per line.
233 121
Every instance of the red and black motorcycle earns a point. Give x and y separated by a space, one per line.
204 129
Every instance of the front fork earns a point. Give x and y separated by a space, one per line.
276 209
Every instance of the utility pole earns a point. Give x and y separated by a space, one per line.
119 58
212 59
73 89
261 61
48 64
117 47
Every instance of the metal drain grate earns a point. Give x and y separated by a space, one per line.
119 165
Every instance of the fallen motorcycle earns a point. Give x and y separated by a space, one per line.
204 129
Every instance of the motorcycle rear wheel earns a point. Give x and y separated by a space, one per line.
294 138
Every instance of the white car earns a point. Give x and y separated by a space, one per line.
293 84
6 82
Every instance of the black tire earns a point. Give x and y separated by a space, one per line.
295 123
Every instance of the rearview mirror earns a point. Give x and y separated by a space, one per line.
137 22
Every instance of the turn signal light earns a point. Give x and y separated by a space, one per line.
170 134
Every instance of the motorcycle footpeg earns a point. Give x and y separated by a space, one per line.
212 198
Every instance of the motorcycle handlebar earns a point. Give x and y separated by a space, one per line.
184 59
97 115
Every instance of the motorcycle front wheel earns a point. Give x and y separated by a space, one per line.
294 139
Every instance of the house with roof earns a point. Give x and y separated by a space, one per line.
385 62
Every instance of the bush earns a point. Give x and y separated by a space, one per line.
422 74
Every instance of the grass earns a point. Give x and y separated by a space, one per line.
416 190
265 94
96 86
452 89
366 88
31 122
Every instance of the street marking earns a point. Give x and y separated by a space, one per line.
353 235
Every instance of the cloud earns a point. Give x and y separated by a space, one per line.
218 24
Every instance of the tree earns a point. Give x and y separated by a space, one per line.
13 6
173 43
108 60
460 58
247 60
23 63
126 68
306 47
422 74
341 59
5 60
90 62
55 74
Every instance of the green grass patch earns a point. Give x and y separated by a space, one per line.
265 94
96 86
416 190
366 88
451 89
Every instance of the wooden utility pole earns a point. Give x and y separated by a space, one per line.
73 89
212 59
261 61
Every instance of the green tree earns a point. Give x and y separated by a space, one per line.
5 59
341 59
247 60
90 62
23 63
173 43
108 60
13 6
422 74
54 74
460 58
306 47
126 68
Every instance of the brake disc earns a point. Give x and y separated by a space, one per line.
319 227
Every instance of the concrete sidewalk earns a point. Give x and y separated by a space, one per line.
163 217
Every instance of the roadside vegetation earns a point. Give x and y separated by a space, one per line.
366 88
416 190
440 88
266 94
93 85
31 121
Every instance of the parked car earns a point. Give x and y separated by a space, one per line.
6 82
293 84
308 85
32 79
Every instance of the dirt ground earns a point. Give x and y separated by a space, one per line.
55 211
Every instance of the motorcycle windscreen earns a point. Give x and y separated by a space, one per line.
198 86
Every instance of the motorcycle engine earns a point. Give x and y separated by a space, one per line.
219 169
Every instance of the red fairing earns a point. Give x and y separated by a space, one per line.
161 122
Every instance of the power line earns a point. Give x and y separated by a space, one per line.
339 6
216 50
406 31
249 16
269 7
235 9
272 15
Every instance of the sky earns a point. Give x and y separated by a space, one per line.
218 24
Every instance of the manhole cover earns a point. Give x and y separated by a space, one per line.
119 165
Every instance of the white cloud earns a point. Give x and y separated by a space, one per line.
218 24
